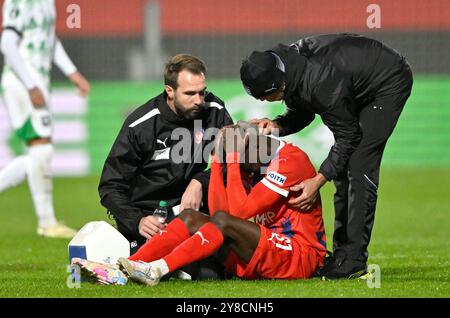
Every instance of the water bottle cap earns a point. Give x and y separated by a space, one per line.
162 204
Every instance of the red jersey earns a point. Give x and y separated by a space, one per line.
268 200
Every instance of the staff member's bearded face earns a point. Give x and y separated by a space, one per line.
188 99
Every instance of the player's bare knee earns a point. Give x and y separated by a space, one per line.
187 216
221 219
193 219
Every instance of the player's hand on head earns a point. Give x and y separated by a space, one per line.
149 226
242 143
266 126
218 146
227 133
234 139
37 97
81 83
192 196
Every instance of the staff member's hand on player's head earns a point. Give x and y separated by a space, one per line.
150 226
266 126
37 98
81 83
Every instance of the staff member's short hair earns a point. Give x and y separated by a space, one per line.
181 62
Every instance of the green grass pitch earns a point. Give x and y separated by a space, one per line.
410 243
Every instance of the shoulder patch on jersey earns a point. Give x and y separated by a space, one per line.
277 178
274 188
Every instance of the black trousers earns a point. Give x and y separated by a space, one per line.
356 190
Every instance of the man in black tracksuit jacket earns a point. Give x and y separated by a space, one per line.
358 86
144 165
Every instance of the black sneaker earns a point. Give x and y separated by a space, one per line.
345 268
327 265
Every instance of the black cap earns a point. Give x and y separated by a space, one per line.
262 73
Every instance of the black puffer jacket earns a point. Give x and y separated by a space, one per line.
335 76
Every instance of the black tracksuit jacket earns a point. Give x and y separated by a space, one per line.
335 76
138 172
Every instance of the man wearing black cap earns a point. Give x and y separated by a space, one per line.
358 86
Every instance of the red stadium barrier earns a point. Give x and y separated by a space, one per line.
120 18
262 16
114 18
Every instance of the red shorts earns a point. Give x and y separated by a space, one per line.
276 256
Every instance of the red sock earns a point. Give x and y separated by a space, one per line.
202 244
163 243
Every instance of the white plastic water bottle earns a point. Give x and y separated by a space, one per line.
161 212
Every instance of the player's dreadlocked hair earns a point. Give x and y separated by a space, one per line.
181 62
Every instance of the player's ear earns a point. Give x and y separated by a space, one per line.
170 91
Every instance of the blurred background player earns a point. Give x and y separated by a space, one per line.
30 46
282 243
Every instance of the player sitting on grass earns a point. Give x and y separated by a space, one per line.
282 243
